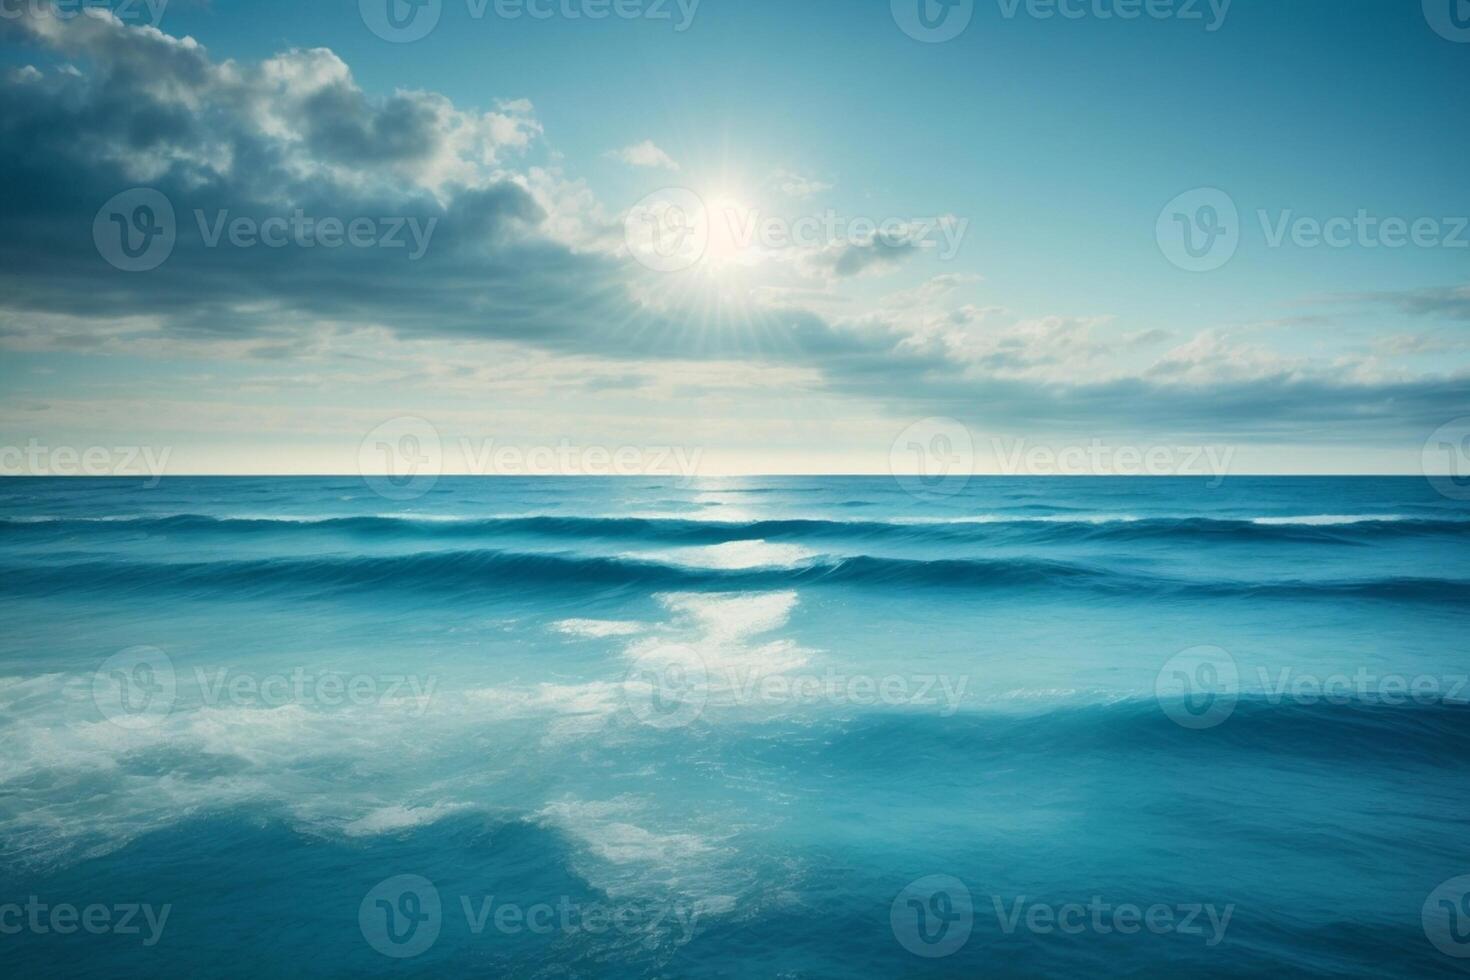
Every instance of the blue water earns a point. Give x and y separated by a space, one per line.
656 709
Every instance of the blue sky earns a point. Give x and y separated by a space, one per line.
1045 147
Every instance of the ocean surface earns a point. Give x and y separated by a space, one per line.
767 727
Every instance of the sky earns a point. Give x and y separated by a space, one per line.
783 237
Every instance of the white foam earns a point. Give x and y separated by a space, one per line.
604 828
1015 519
93 786
731 616
14 690
624 842
713 637
597 628
596 697
574 709
627 847
732 555
395 818
81 786
1327 520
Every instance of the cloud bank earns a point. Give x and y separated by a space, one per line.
522 253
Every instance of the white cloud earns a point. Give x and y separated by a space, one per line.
645 154
794 185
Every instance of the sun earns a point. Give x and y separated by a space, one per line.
734 232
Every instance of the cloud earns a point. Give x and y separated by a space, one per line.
1451 302
869 256
645 154
1402 344
796 186
525 257
294 134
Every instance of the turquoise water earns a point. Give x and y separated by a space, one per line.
802 727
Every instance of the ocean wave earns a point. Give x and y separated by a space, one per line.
219 759
731 555
1412 734
1329 520
1325 528
455 574
397 818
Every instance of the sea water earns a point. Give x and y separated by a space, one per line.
800 727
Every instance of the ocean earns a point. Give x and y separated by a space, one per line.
767 727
